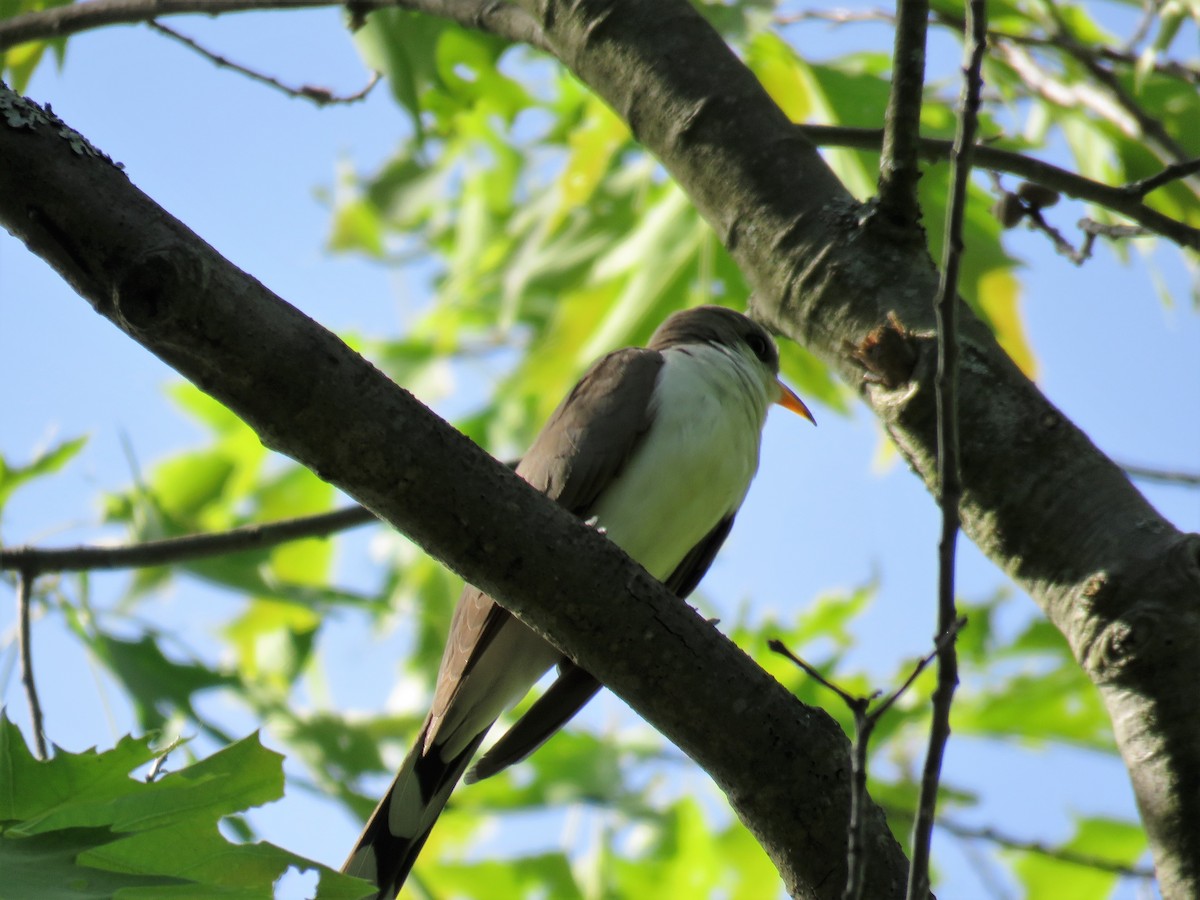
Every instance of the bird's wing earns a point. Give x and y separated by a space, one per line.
589 438
582 447
569 693
689 572
574 687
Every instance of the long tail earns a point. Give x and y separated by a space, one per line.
397 830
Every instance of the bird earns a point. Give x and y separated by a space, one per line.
655 447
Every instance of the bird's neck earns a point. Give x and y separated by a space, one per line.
705 373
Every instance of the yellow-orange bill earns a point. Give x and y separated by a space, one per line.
789 400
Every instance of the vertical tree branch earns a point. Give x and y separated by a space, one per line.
899 168
949 483
25 579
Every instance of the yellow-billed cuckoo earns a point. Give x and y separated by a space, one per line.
656 446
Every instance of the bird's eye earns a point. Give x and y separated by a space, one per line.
759 346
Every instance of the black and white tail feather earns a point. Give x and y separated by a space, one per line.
400 825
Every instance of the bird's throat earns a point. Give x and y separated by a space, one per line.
695 464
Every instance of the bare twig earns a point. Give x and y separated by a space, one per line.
835 16
318 95
949 479
1093 229
1029 201
1173 172
865 720
501 19
855 703
1118 199
63 21
944 639
1060 853
1038 222
1163 476
899 164
1124 57
25 579
181 549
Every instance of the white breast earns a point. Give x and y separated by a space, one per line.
694 466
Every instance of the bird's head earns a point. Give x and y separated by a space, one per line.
732 333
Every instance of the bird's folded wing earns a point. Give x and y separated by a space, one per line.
566 696
593 432
574 687
582 447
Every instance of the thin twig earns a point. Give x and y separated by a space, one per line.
318 95
1117 199
1060 90
864 724
899 164
949 484
182 549
944 639
1038 222
25 579
63 21
1014 207
777 646
1060 853
865 720
1163 476
1142 29
1171 173
501 19
1169 67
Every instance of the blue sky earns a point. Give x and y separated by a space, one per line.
242 165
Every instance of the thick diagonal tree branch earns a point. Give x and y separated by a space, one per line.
308 395
1116 578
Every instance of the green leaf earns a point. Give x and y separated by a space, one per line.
158 687
206 409
543 875
18 63
46 866
572 767
403 46
77 826
357 226
273 641
293 493
45 463
1056 704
